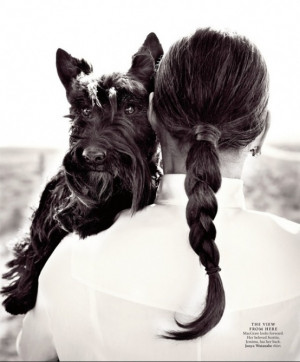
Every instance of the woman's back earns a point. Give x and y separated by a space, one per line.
110 297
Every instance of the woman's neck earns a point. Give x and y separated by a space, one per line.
231 163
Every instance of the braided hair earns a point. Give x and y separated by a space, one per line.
211 93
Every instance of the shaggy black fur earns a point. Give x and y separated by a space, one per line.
111 165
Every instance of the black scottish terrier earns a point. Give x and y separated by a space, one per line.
111 165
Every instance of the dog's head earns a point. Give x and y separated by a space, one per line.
112 145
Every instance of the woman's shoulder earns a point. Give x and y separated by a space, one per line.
259 258
255 230
275 239
274 225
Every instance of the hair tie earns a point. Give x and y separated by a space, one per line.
214 270
207 132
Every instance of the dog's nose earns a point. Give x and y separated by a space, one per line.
94 154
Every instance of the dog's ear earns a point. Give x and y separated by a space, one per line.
69 68
153 44
145 61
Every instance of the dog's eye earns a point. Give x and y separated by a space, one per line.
75 129
86 112
75 132
129 110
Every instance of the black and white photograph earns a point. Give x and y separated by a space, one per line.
150 180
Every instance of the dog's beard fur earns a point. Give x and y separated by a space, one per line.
86 195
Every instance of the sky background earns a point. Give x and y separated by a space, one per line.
107 33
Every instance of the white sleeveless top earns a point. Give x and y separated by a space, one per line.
110 297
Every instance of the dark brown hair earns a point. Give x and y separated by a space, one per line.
211 94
